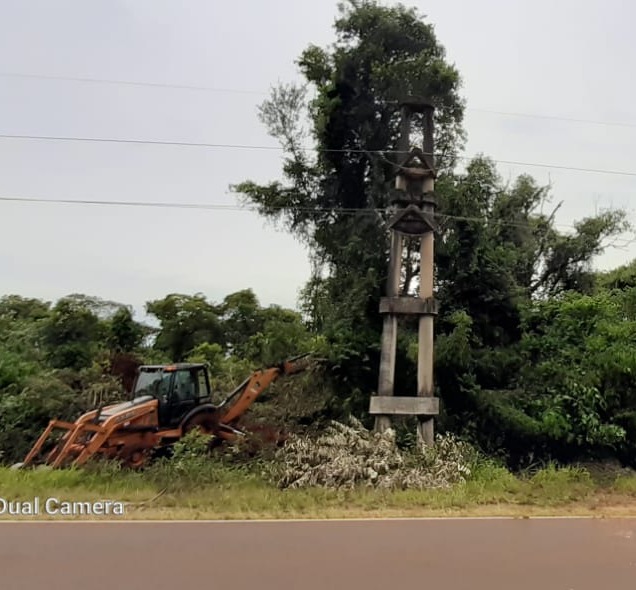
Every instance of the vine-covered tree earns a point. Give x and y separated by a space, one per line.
331 200
496 251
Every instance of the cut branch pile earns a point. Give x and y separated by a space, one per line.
347 456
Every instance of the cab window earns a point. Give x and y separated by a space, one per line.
154 383
203 384
185 386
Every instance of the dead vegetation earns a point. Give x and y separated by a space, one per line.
346 456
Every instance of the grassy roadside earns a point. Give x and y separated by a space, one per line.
220 492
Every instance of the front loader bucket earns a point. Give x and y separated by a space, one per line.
71 445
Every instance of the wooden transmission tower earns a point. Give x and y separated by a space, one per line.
414 201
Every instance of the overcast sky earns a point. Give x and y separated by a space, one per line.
564 59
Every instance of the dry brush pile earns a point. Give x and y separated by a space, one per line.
348 455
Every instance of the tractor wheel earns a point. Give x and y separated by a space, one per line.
205 423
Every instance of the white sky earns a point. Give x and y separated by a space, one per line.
564 59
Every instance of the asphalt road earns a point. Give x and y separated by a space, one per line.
442 554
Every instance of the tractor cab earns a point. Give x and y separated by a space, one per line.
179 388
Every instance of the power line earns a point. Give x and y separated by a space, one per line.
555 118
223 207
132 83
278 148
147 142
616 243
209 206
263 93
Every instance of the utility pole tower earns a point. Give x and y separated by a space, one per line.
414 201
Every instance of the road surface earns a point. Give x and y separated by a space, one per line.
471 554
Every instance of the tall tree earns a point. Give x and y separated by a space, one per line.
332 201
241 316
72 333
186 321
124 333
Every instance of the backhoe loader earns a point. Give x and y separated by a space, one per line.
167 402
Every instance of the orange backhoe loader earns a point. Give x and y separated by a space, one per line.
167 402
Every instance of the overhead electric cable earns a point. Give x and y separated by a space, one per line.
215 89
280 148
256 208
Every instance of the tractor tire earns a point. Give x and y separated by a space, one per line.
206 423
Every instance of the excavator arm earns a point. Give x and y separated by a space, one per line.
239 401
